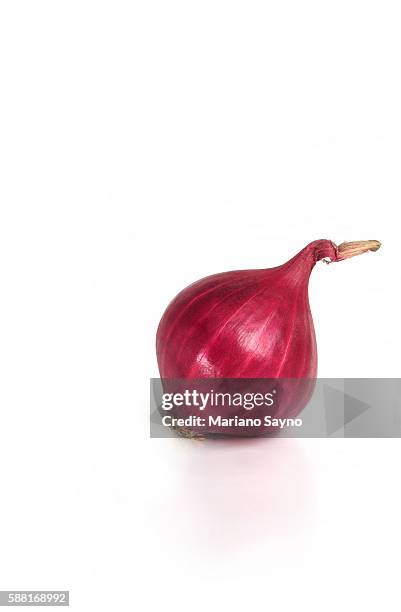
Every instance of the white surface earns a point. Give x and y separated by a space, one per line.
144 145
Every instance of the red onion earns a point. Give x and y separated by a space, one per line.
248 323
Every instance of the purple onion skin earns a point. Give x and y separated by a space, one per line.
249 324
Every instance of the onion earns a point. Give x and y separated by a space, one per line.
249 323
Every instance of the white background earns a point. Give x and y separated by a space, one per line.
145 145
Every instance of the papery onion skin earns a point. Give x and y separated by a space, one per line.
248 323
